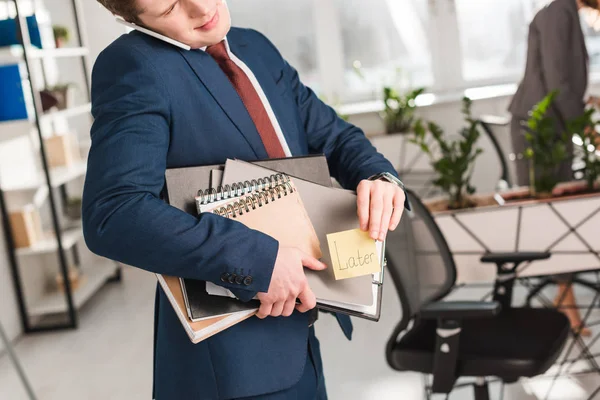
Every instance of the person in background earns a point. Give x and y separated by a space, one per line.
158 106
557 59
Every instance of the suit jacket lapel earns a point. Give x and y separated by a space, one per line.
217 83
267 83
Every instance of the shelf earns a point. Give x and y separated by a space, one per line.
16 128
13 54
69 112
69 238
56 302
58 177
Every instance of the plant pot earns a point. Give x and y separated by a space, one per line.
442 204
562 190
60 42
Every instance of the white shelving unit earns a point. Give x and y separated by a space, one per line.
54 302
27 180
14 54
69 237
68 113
58 175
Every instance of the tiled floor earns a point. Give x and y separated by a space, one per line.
110 355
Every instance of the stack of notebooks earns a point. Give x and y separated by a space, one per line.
289 199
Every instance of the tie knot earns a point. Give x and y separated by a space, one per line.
218 51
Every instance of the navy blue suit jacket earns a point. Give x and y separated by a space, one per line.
156 107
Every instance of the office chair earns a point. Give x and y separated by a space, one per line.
454 339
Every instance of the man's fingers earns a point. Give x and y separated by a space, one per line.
398 210
308 300
264 310
375 210
288 308
363 193
312 263
386 215
277 309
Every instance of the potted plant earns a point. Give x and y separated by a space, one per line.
583 127
61 35
454 159
399 111
545 152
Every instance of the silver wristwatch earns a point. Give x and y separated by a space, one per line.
392 179
388 177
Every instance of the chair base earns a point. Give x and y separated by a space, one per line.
481 391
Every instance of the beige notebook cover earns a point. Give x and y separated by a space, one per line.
197 331
330 210
277 212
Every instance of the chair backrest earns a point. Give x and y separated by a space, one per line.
419 260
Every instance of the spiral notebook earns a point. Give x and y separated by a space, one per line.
270 205
330 210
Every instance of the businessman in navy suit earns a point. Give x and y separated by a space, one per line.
157 106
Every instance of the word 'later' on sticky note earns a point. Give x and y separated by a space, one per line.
353 253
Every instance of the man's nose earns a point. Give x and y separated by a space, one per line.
200 8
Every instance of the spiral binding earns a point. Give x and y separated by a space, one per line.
240 189
254 200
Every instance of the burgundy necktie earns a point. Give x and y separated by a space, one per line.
250 98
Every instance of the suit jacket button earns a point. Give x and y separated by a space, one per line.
225 277
248 280
239 279
232 278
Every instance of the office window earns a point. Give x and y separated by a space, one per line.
384 37
493 38
289 25
590 23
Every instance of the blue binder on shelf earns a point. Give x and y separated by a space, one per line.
10 35
12 98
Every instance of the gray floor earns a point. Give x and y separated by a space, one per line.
110 356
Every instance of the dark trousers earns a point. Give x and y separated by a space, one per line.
312 383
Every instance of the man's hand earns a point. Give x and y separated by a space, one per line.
380 206
289 283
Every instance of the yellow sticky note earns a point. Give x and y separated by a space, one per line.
353 253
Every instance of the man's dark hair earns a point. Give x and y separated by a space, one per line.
127 9
590 3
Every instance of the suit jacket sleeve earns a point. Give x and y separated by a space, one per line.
124 218
556 32
350 155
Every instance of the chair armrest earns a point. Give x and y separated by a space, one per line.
459 310
516 257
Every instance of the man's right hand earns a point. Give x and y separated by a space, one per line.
289 283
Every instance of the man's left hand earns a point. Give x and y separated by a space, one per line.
380 206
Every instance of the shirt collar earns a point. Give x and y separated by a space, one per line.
226 46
